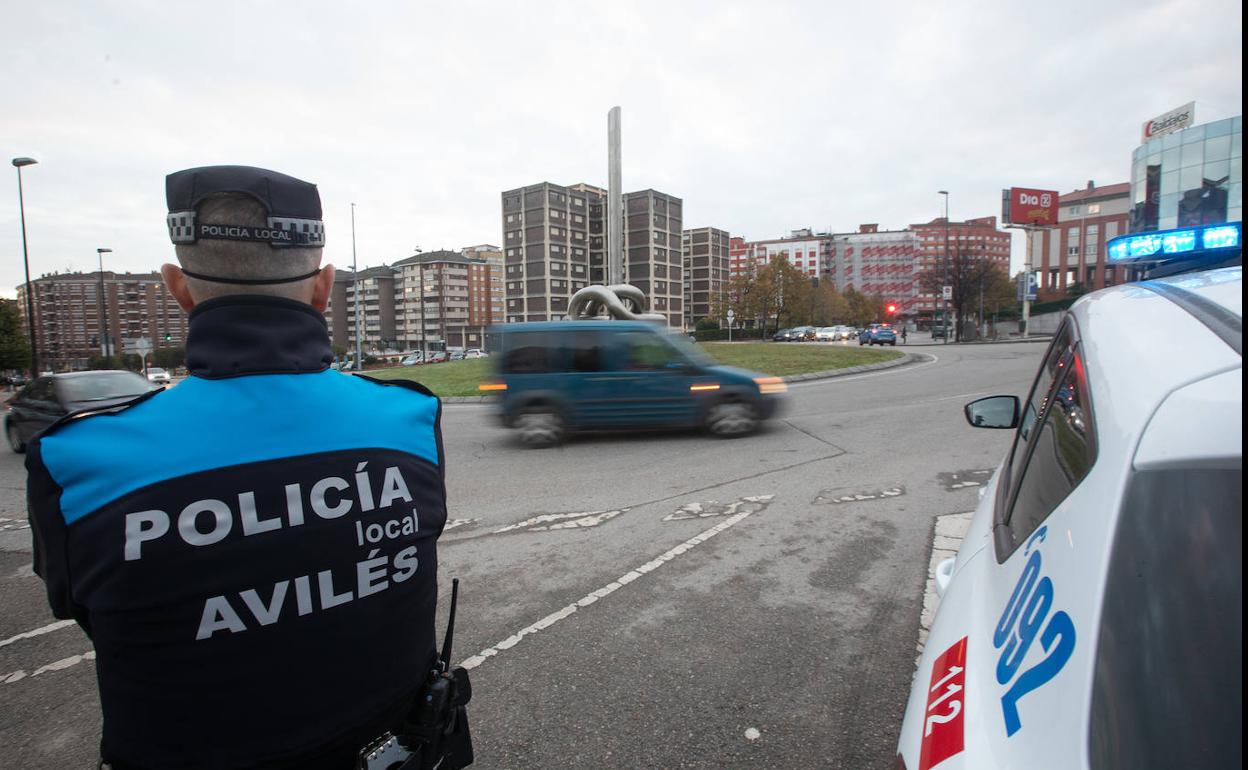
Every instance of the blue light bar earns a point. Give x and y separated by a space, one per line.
1184 243
1220 237
1178 241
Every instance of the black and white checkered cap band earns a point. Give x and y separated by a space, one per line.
281 231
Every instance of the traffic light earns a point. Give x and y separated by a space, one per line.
892 308
168 337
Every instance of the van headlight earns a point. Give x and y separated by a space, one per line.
770 385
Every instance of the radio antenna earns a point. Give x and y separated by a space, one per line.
445 657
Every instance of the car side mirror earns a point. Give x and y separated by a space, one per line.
1000 412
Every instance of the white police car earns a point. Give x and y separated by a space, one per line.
1093 616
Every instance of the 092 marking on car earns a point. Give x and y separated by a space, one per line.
943 732
1020 625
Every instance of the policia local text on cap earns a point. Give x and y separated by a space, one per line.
254 552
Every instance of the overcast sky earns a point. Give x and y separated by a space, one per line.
762 116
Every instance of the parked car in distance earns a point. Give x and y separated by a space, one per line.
475 353
436 357
825 333
49 398
413 359
157 375
782 335
558 376
938 332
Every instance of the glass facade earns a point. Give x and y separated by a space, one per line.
1191 177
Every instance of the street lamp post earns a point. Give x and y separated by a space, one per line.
18 163
103 306
944 315
355 283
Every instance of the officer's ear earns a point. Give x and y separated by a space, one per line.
176 283
321 287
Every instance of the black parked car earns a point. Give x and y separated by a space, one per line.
50 398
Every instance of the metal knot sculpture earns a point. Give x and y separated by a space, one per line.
620 301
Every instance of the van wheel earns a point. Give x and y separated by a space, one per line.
729 419
540 427
15 439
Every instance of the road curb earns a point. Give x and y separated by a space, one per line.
908 358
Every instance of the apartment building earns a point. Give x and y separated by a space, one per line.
1073 252
554 244
978 238
653 251
69 315
874 261
546 247
445 300
496 290
804 249
341 330
706 253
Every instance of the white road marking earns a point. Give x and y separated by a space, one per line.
454 523
949 531
549 521
609 588
752 734
7 524
56 665
49 628
827 496
711 508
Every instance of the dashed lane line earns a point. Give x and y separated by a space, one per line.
56 665
49 628
613 586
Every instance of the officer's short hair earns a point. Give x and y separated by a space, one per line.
243 259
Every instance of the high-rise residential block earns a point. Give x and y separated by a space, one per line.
706 272
68 315
554 244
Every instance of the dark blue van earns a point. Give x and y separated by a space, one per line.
558 376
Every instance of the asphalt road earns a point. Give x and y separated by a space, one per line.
658 600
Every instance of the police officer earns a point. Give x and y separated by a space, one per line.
252 552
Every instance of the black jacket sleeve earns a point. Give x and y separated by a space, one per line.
50 538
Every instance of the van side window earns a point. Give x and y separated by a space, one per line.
647 352
1064 450
586 350
529 353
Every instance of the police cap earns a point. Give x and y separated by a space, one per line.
293 206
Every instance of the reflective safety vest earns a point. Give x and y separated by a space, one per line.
253 551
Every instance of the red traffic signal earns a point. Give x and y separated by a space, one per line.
892 308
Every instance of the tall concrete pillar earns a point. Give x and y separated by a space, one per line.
615 202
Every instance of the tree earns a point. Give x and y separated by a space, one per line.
967 272
168 358
14 347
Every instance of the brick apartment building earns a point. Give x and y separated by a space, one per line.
1074 250
979 238
706 272
554 244
804 249
493 255
423 302
68 315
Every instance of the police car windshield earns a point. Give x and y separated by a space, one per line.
101 386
